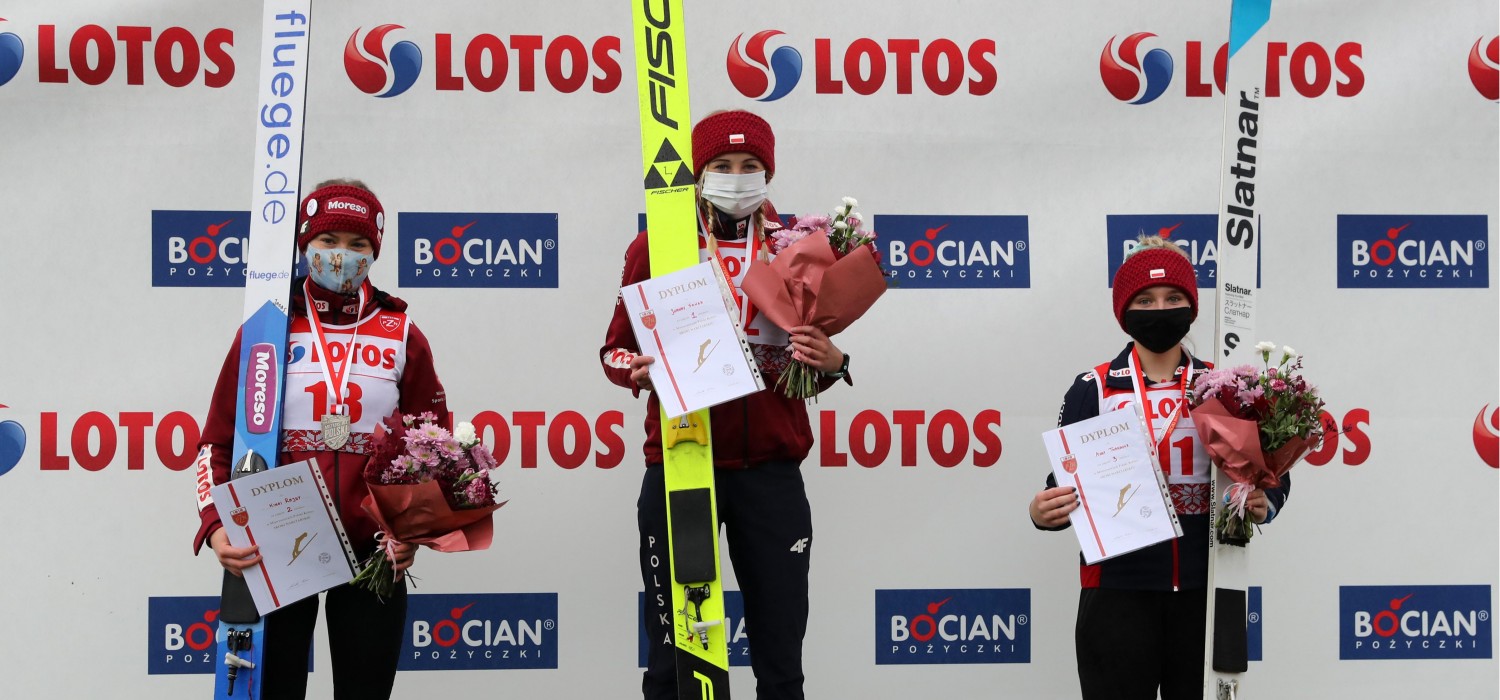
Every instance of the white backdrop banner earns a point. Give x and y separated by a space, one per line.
1006 153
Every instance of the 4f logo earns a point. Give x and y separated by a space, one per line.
800 546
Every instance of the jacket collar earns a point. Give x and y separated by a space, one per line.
1121 376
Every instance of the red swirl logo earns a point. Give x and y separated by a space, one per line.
1487 436
1484 69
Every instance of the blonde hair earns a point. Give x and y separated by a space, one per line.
1145 242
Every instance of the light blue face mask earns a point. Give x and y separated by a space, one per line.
338 269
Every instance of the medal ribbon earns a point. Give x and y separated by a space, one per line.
753 250
337 377
1139 385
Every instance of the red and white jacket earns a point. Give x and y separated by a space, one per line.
391 367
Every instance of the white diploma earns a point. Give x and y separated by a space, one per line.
288 513
1124 504
688 321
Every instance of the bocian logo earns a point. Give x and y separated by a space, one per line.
1414 622
480 631
953 626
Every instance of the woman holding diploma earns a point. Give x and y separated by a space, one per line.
759 441
380 362
1140 624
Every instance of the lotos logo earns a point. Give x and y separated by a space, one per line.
1420 250
478 250
11 53
948 437
95 440
1196 234
930 251
941 65
12 444
1131 79
734 614
1414 622
198 248
182 631
1348 438
484 62
1484 68
760 79
480 631
958 626
93 52
1311 68
1486 438
370 70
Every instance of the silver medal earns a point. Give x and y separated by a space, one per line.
335 430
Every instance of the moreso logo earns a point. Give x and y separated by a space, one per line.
734 611
1310 68
370 70
1133 79
761 79
955 626
1486 438
198 248
1414 622
484 62
12 51
12 444
942 66
1420 250
480 631
1196 234
1484 68
933 251
451 249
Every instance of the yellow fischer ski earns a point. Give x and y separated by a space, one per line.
702 650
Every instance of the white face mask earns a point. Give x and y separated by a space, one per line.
735 195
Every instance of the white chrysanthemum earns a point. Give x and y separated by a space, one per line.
465 434
851 202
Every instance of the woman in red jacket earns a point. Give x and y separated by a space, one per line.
759 440
379 362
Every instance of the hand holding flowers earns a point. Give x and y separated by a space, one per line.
427 486
826 274
1256 424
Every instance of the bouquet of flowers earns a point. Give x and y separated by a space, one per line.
1256 424
826 274
427 486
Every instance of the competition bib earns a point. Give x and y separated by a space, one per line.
373 355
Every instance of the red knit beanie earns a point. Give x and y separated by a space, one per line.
1154 267
731 132
341 208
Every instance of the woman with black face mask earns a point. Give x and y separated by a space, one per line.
1140 625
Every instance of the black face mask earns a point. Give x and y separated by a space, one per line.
1158 330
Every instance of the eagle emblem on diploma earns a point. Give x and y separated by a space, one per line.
1069 463
240 516
648 319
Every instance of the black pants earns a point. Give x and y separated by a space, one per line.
1130 643
364 637
768 524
